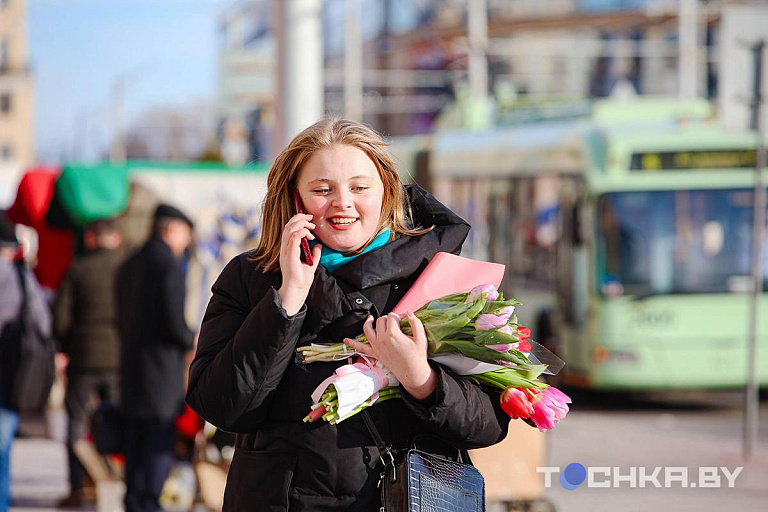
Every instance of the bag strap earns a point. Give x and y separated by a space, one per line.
19 264
385 453
463 454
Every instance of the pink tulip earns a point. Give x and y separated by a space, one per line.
507 329
506 313
488 322
516 403
549 407
504 347
488 289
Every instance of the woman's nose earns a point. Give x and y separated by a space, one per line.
342 200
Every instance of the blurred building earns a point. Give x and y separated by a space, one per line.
416 59
246 81
544 50
16 88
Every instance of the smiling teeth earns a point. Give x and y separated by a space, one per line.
343 221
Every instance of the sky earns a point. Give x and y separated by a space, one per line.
165 49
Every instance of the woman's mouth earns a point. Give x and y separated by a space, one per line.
342 223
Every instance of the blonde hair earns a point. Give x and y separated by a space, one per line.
278 207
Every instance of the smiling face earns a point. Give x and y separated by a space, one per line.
341 188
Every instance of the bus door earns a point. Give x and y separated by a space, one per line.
569 323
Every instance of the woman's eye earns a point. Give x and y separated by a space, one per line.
321 190
360 189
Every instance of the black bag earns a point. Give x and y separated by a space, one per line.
422 481
27 355
107 429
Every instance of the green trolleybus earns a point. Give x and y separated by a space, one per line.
626 234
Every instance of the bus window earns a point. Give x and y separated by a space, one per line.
523 228
688 241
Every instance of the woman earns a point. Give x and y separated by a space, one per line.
372 237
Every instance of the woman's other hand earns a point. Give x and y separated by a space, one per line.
297 275
405 356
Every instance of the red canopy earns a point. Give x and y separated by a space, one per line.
54 252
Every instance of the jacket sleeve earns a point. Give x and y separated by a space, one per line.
460 411
62 312
242 353
173 292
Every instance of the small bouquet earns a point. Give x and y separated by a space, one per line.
476 334
352 388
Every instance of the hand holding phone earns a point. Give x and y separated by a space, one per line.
306 254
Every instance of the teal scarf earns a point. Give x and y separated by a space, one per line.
332 259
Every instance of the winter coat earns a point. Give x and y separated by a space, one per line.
10 308
154 336
245 378
84 312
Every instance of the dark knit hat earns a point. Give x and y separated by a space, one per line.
7 231
166 211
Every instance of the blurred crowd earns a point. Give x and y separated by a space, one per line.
116 326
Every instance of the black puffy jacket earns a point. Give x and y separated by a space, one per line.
244 378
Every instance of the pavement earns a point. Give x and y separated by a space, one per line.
38 474
700 431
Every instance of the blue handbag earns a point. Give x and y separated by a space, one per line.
419 481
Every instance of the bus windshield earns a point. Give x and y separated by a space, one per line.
684 241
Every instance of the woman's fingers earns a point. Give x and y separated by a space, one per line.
300 232
297 223
416 326
369 330
358 346
381 327
393 324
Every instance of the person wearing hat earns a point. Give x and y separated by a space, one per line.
85 323
11 299
155 339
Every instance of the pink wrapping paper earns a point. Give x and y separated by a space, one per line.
447 274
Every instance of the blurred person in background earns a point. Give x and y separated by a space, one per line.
13 294
155 339
85 323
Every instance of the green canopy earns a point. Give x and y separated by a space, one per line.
87 193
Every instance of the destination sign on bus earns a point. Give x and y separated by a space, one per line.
692 160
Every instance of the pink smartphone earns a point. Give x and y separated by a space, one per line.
306 254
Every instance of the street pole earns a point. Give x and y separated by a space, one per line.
477 19
353 61
80 135
117 151
687 64
758 234
300 67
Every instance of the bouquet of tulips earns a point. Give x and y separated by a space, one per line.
476 334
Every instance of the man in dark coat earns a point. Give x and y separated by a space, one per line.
245 378
155 340
85 323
